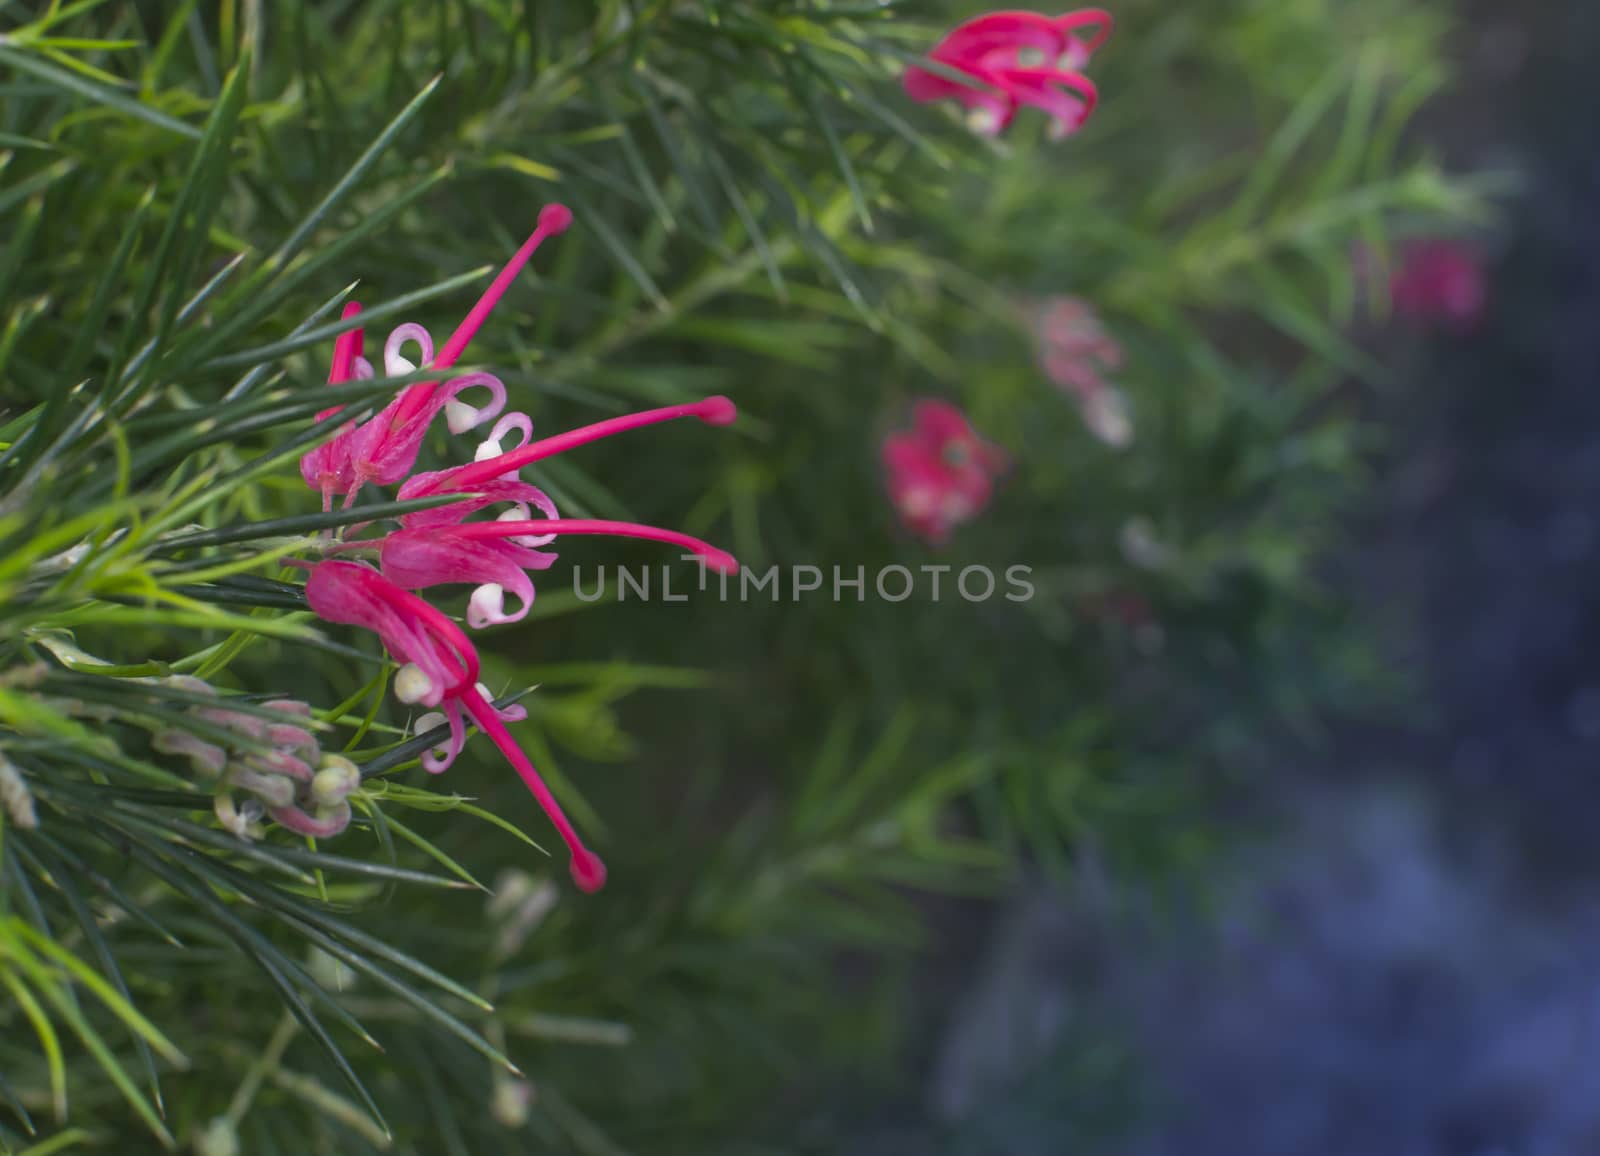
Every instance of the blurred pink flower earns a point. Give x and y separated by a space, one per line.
1076 352
940 473
1016 58
1442 280
1438 280
440 668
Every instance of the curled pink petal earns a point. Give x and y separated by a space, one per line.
396 363
438 556
411 630
432 760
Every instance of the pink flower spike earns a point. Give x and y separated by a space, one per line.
588 872
712 410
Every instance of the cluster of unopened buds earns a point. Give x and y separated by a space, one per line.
1076 353
1012 59
275 761
940 473
443 545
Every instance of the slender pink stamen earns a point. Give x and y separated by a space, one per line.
712 410
719 560
588 872
553 220
345 351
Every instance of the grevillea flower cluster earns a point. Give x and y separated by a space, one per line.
276 761
447 545
940 473
1075 352
1014 59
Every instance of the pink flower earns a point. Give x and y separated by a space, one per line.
441 546
1442 280
1075 352
940 473
384 448
438 547
440 668
1016 58
1074 348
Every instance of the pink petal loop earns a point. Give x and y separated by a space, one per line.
396 363
432 761
492 447
461 417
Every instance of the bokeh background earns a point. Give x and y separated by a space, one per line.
1266 826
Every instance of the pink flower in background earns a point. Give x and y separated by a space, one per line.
443 546
1441 280
1016 58
1076 353
940 473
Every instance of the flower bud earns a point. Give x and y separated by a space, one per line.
206 758
335 780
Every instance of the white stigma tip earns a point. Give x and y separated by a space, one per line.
486 606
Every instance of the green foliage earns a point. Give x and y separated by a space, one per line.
189 193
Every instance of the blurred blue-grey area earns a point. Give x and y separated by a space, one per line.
1408 964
